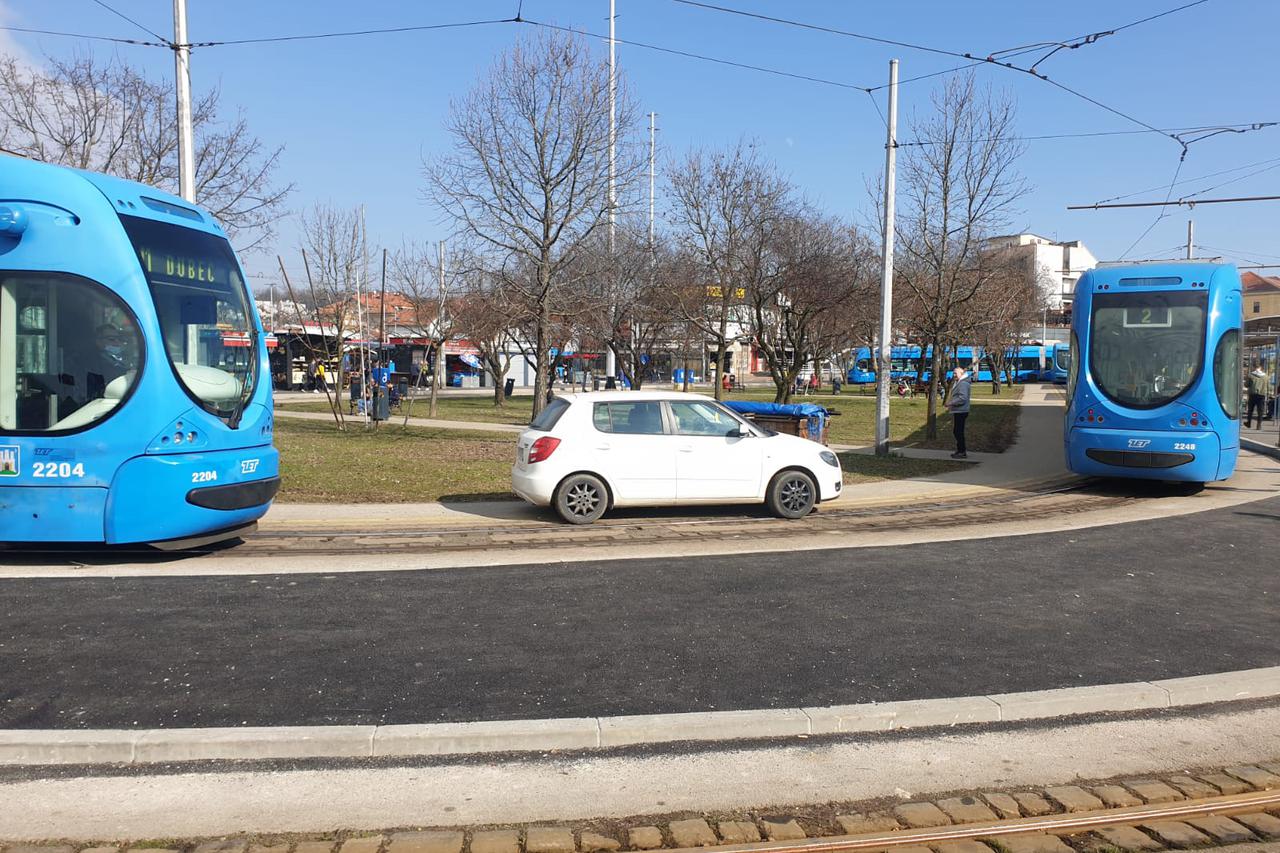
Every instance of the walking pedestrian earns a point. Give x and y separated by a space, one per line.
311 375
322 378
1257 385
958 404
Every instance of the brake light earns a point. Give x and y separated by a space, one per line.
543 448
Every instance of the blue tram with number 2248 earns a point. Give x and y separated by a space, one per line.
133 402
1154 385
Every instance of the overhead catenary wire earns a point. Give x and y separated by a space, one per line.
85 36
1189 180
353 33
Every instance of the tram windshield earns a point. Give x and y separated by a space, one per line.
203 307
1145 349
1062 358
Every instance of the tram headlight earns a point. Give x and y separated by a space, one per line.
12 220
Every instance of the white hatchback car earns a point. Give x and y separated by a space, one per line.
586 453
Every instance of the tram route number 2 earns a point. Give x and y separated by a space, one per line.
58 470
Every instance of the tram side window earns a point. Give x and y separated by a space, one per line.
1226 373
69 352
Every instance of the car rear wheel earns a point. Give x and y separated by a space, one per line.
581 499
792 494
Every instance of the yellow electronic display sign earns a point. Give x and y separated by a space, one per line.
180 269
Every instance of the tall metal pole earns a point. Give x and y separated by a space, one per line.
610 361
182 75
613 121
886 275
366 393
1191 230
652 118
382 306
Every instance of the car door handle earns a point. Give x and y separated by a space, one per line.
686 448
602 447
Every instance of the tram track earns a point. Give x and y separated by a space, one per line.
1048 500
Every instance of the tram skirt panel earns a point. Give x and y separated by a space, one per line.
51 513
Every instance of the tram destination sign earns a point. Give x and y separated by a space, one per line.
188 269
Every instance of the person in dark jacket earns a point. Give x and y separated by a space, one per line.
958 404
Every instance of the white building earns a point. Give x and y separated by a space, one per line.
1056 266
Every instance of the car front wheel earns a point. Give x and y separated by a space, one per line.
792 494
581 499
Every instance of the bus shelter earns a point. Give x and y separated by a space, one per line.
1262 350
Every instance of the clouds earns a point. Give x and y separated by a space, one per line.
9 45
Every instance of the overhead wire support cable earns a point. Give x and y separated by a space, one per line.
125 17
353 33
86 37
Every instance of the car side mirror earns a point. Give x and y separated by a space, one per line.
741 432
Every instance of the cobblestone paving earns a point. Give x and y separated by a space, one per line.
1257 831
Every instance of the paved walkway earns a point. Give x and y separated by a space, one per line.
435 423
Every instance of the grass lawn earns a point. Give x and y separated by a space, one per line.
392 464
865 468
992 426
517 409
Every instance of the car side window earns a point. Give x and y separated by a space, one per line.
643 418
697 418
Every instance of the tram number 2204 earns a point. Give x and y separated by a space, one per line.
58 470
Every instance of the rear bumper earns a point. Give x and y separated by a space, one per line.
533 484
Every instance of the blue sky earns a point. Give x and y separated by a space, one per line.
357 115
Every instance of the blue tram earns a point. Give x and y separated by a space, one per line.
1154 386
1057 363
905 363
134 407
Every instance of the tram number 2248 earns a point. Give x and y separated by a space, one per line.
58 470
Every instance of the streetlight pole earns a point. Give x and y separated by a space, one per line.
182 74
610 360
886 276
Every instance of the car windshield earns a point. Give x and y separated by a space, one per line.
1145 349
205 319
547 418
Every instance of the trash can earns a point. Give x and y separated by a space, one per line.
402 388
610 383
806 420
595 383
381 408
509 388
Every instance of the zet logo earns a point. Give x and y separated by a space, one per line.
249 466
1138 443
10 460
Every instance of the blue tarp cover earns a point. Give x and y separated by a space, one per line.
792 410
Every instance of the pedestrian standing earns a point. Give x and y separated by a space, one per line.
958 404
1257 385
835 384
322 378
311 375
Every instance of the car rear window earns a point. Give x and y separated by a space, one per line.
628 418
546 419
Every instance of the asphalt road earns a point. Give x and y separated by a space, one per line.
1183 596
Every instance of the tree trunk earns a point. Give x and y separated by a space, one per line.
437 379
541 387
931 418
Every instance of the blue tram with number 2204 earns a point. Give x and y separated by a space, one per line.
134 406
1154 385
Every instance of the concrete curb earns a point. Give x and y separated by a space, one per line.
1259 447
119 746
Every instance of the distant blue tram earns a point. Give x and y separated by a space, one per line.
1154 383
905 363
134 406
1057 363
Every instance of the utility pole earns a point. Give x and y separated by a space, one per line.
1191 230
884 361
610 361
382 306
652 118
182 75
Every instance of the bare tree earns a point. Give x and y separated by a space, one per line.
110 118
823 277
420 276
528 176
332 243
955 188
726 205
488 318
